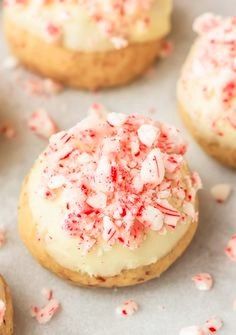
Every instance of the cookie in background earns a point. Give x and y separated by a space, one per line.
87 44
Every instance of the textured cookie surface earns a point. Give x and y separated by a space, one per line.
81 69
6 328
224 154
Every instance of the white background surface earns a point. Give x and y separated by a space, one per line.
92 311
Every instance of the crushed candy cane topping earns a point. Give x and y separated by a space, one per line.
221 192
44 314
210 327
128 308
2 311
203 281
212 69
230 249
112 18
117 181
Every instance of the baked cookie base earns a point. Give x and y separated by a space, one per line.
27 230
7 327
86 70
224 154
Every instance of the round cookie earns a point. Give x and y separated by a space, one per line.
85 44
206 90
6 309
110 202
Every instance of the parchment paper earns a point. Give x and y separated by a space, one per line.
166 304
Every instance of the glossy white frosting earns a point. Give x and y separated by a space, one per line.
79 32
101 260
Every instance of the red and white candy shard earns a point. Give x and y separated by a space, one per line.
210 327
2 311
221 192
44 314
47 293
41 124
213 325
119 176
147 134
128 308
42 87
203 281
230 249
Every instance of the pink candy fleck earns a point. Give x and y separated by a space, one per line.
221 192
128 308
42 87
210 327
44 314
230 249
213 324
203 281
41 124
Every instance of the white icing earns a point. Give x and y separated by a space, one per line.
79 32
102 260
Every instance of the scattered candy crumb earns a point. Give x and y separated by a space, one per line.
47 293
167 49
221 192
210 327
44 314
39 86
230 249
41 124
203 281
2 311
128 308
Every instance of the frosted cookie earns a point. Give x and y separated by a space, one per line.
111 201
87 44
207 87
6 309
